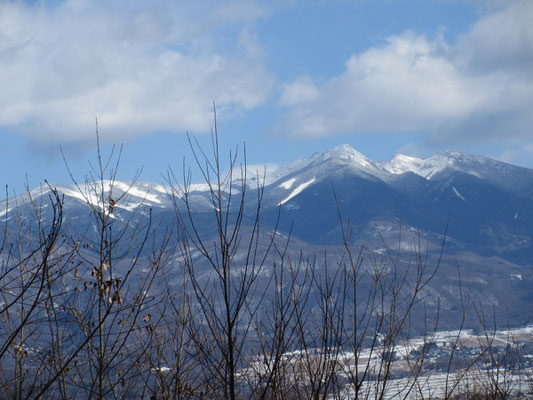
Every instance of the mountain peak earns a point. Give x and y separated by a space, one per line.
447 161
347 154
426 167
344 151
401 163
321 164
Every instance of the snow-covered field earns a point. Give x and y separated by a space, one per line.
441 365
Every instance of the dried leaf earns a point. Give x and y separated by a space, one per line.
117 298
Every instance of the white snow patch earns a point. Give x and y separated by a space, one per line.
401 163
91 198
129 206
288 184
425 167
89 193
135 191
199 187
297 191
429 167
458 194
158 188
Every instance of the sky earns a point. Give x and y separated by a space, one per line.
288 78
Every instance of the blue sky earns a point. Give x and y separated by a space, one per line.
289 78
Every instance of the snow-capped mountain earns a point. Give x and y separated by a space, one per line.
486 204
324 164
344 158
489 204
437 164
510 177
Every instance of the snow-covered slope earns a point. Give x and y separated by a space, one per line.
428 167
130 194
443 161
515 179
124 195
322 164
292 179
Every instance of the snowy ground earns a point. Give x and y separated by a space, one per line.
482 362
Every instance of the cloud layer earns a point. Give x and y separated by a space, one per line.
480 87
143 69
138 68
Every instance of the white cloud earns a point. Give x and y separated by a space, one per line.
139 67
299 92
415 150
263 172
501 42
529 148
507 156
480 87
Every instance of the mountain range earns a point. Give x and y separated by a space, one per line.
485 205
482 209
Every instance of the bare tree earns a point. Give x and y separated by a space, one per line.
232 259
28 259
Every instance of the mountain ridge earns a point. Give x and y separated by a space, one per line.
346 156
487 202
